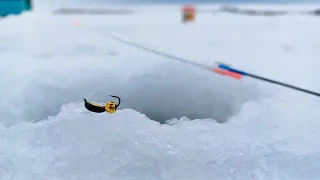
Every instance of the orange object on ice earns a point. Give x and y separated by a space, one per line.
188 13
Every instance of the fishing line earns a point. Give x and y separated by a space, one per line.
144 48
220 68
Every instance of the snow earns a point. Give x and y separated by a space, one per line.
218 128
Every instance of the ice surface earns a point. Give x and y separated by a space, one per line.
48 65
64 63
